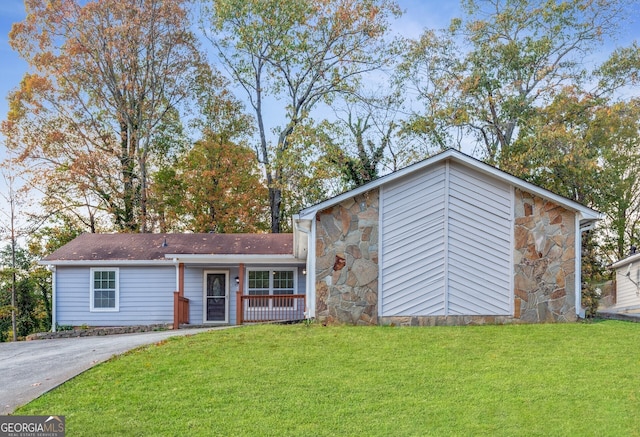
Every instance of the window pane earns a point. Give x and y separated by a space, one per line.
104 289
259 279
104 299
283 279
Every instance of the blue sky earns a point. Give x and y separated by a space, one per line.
11 66
419 14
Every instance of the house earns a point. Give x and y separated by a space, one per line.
449 240
627 284
148 279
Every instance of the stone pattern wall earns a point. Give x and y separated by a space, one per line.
544 261
347 265
98 331
347 261
447 320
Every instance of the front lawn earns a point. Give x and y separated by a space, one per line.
556 379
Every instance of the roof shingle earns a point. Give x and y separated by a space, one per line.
107 247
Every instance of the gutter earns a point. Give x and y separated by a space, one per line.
308 227
54 298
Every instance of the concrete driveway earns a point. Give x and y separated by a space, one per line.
31 368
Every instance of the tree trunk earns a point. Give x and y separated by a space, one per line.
126 215
14 325
275 202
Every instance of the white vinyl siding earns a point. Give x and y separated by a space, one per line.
626 291
447 244
413 241
480 256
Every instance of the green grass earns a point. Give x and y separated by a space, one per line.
556 379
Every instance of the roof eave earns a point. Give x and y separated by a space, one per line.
234 259
623 262
106 262
586 212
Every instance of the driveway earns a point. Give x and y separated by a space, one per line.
31 368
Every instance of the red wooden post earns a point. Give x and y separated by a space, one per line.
181 279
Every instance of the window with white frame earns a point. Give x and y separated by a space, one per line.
271 282
104 289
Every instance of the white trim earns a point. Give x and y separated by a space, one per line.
54 298
580 312
237 259
175 261
293 269
301 230
587 213
106 262
116 308
512 252
226 296
623 262
172 258
380 250
311 271
271 287
447 201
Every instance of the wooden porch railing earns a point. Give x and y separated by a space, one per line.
180 310
270 308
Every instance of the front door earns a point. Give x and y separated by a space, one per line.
216 305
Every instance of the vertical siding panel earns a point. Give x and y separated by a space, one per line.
480 263
412 241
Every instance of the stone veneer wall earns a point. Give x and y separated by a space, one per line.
347 265
347 261
544 261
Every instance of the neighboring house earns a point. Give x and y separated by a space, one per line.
627 280
145 279
449 240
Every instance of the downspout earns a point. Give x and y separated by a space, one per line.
580 312
54 297
177 264
310 310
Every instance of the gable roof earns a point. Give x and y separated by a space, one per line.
624 261
164 247
588 214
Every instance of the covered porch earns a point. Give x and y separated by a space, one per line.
237 294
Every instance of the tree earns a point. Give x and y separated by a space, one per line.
368 139
105 77
617 128
587 148
215 187
520 55
304 52
14 198
30 310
